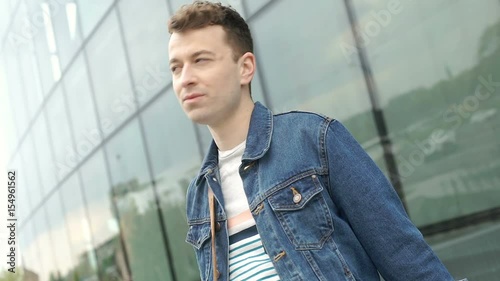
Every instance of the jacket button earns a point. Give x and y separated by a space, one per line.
297 198
296 195
248 166
217 227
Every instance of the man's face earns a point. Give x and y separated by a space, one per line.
206 79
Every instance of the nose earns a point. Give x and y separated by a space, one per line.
188 77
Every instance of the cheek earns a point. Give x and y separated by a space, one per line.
175 87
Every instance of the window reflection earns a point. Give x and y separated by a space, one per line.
59 235
30 173
48 61
44 154
236 4
60 134
113 92
103 219
29 250
434 110
432 65
175 159
30 76
90 12
4 17
254 5
137 209
80 237
146 37
82 111
64 19
46 255
15 90
304 69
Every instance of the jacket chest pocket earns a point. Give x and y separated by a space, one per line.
303 213
199 237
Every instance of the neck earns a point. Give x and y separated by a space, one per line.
233 130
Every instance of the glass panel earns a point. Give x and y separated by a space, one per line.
236 4
176 4
59 128
13 4
470 252
7 110
109 73
305 69
254 5
91 11
43 239
29 250
31 175
59 234
147 39
44 154
205 137
82 111
435 64
103 219
15 89
257 91
4 17
136 205
175 159
43 39
443 108
65 22
80 238
31 79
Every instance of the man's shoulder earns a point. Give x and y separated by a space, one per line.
302 118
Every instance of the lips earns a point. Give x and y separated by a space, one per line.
192 96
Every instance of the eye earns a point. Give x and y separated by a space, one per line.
200 60
174 69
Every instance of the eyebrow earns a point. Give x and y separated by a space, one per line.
195 54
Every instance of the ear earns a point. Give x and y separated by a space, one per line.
247 68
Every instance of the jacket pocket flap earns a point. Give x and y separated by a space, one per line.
198 234
296 195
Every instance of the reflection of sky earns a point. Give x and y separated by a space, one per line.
302 62
424 39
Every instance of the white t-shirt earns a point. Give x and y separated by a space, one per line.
247 258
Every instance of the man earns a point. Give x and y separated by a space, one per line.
295 197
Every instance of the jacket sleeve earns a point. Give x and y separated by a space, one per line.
375 213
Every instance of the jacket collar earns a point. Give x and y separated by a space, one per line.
258 141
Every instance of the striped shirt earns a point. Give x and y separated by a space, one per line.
248 259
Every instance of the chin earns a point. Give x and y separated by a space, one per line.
198 117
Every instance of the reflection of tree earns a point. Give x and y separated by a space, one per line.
20 274
490 41
420 112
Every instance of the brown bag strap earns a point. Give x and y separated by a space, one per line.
211 202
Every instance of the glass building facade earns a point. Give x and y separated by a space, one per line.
105 154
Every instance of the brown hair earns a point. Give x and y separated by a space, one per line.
203 13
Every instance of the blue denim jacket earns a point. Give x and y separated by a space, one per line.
347 224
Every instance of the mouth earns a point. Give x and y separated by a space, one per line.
192 97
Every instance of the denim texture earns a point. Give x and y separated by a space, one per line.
345 222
